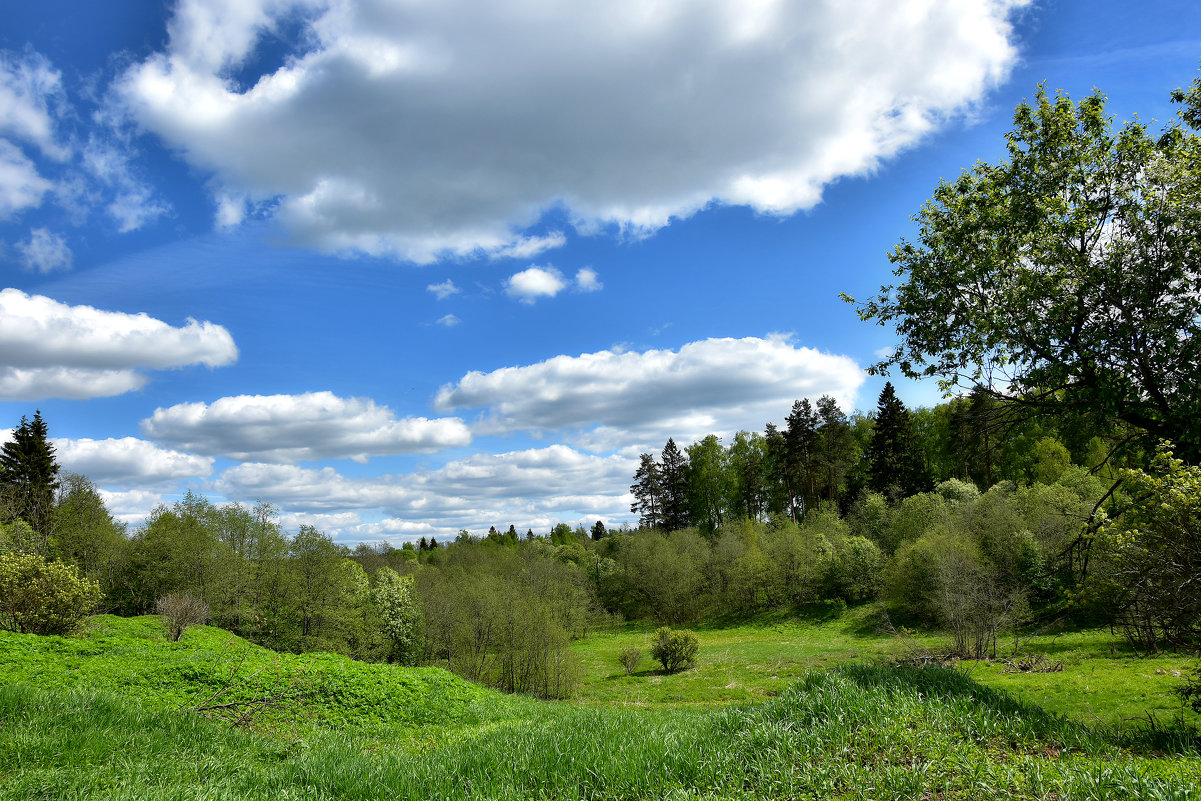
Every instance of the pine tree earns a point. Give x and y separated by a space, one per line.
647 491
599 532
895 467
800 440
29 476
835 446
673 469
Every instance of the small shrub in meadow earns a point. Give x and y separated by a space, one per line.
179 611
629 659
676 650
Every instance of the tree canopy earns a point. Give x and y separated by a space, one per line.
1065 275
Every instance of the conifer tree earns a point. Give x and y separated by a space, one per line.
895 467
647 491
29 476
800 440
673 468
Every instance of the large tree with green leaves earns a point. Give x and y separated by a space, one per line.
1064 276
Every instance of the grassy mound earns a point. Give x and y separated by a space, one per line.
129 657
99 717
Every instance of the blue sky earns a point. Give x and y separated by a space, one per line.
404 268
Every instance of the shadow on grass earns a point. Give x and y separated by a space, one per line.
1150 737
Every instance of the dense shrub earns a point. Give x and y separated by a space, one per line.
676 650
40 597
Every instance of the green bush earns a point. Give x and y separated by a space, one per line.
676 650
40 597
629 659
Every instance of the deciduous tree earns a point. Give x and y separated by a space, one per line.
1064 276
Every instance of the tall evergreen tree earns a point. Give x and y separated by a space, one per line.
775 470
895 467
29 477
673 469
835 447
647 490
800 439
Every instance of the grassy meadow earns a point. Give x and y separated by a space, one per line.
777 707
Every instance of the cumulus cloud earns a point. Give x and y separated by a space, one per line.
423 130
51 349
586 281
443 290
45 252
294 428
614 399
129 461
535 282
131 507
530 488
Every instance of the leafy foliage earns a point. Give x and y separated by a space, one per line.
400 610
675 650
1065 274
40 597
1151 554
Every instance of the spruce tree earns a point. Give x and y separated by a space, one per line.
673 469
895 467
29 476
800 440
648 493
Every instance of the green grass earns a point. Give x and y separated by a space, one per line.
1102 682
129 656
99 717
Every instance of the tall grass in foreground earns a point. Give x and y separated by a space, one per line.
855 732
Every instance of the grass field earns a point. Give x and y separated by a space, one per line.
776 708
1102 681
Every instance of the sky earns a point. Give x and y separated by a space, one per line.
402 268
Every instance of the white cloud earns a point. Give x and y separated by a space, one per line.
531 488
535 282
530 246
21 186
293 428
449 320
30 91
45 252
131 507
586 281
50 349
72 383
608 400
423 130
443 290
133 203
129 461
